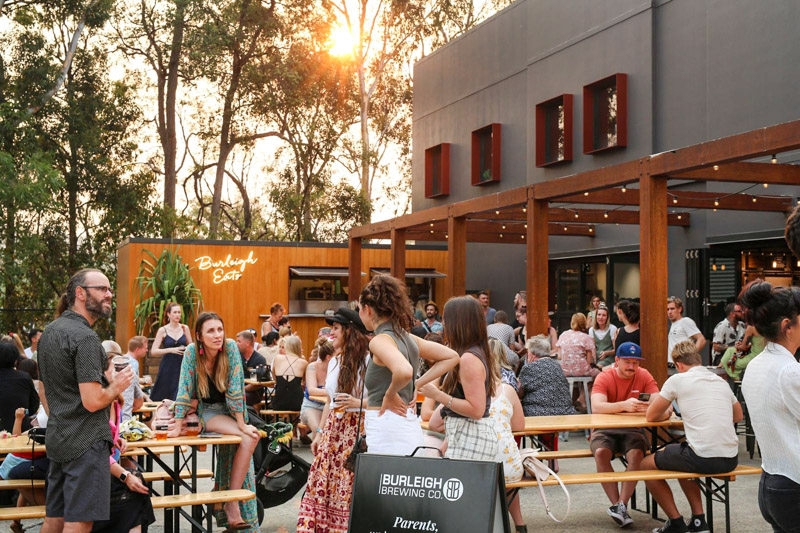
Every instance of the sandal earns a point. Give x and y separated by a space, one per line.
16 527
238 526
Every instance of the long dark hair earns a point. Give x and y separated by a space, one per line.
465 328
353 360
221 373
630 309
388 296
168 309
766 306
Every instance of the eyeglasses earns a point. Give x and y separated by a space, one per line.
103 288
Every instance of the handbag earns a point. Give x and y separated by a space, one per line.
361 441
538 469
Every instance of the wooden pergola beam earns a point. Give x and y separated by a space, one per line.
354 268
755 143
510 235
604 216
591 180
745 172
696 199
398 253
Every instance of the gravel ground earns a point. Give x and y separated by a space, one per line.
588 507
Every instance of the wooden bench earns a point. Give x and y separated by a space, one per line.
714 487
149 477
158 502
159 450
291 416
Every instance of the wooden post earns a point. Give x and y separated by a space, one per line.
538 264
653 273
354 269
398 268
456 256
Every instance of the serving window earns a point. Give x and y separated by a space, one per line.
317 290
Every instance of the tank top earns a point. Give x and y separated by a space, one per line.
288 394
601 345
378 377
459 392
624 336
171 342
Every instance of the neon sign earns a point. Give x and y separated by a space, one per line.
229 269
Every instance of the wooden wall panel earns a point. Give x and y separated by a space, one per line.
240 302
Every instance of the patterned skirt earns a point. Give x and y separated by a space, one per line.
473 440
325 507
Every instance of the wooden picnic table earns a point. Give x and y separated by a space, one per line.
19 444
181 463
321 399
539 425
249 381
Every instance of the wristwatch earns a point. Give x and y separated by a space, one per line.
123 476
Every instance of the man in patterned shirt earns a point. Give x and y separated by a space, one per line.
729 332
72 363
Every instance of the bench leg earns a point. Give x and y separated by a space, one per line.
588 400
197 510
727 507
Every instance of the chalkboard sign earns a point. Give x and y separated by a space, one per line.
410 494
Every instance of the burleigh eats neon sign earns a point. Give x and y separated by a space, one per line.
229 269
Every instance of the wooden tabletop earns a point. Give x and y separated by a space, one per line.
19 444
186 441
321 399
249 381
538 425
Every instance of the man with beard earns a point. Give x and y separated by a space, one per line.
430 323
617 390
72 363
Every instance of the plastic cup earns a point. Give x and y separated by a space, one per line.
120 362
192 429
161 432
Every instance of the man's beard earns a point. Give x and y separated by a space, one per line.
96 307
432 316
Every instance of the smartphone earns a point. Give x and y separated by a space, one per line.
644 397
209 435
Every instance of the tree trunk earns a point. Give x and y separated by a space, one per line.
170 138
8 262
365 159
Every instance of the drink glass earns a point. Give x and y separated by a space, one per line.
120 362
192 429
253 374
161 432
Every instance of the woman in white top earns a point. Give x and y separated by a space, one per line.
507 415
771 387
603 334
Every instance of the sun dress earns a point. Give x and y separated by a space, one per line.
507 450
325 507
234 400
169 370
574 347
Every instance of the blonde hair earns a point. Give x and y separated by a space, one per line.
284 332
499 352
293 345
686 352
578 322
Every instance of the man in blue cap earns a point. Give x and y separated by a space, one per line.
617 390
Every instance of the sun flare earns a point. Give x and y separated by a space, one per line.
342 41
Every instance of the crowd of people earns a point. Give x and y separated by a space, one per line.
478 373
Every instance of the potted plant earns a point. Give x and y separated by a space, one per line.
163 280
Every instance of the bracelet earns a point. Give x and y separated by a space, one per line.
319 430
450 403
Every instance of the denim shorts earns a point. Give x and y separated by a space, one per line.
10 462
210 410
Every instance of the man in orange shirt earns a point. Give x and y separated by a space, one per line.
617 390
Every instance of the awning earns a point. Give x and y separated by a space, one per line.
413 272
320 272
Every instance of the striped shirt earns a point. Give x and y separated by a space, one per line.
70 353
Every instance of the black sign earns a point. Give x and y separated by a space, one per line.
411 494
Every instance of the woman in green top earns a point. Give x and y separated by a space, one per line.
390 424
603 334
735 360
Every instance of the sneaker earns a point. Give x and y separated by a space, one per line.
620 515
672 525
698 524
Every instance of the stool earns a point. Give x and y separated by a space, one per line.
577 380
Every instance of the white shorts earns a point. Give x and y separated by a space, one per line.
392 434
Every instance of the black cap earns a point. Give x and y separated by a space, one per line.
347 317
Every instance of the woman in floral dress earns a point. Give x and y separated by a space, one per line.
325 507
577 352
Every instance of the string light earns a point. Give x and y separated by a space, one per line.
722 267
524 209
605 215
523 236
774 159
565 228
431 224
755 199
526 226
674 199
501 235
591 230
716 167
716 202
576 214
504 226
497 212
586 193
624 188
431 232
679 217
774 263
715 209
765 185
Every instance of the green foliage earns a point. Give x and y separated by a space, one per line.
162 280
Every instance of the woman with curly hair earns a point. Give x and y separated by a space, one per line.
391 419
325 507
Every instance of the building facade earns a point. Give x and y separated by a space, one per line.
682 72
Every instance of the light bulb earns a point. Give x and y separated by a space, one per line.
716 203
501 235
755 199
586 193
774 264
524 209
497 212
605 215
523 236
715 209
431 232
504 226
624 189
679 217
714 267
716 167
674 199
591 230
565 228
576 215
722 267
526 226
774 159
765 185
